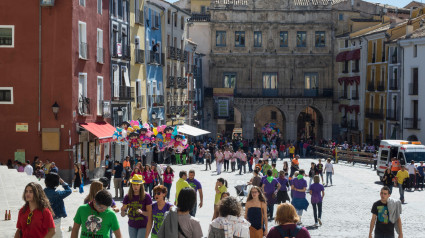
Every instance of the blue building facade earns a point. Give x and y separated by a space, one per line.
154 62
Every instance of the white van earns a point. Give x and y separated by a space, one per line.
404 151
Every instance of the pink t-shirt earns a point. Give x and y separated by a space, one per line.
168 178
227 155
266 155
243 156
219 156
258 153
235 156
148 176
274 153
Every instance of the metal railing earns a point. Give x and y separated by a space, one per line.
284 92
178 54
140 56
140 101
139 17
99 55
154 57
374 113
354 94
181 82
200 17
83 105
394 84
126 93
171 82
83 50
392 115
381 86
412 123
371 86
171 54
413 89
126 53
156 100
353 125
106 108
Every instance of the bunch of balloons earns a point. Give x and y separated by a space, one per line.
270 132
145 136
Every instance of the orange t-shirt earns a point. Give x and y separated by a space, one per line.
295 162
395 165
126 164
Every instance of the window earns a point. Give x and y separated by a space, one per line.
257 38
230 80
168 16
346 43
124 10
269 80
99 6
82 85
301 39
203 9
99 95
6 95
320 39
99 45
175 20
311 80
341 17
82 3
119 8
116 80
82 40
114 8
240 38
220 38
373 52
415 51
182 23
283 39
7 36
139 99
273 115
355 66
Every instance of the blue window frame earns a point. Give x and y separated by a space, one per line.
320 39
258 39
311 84
229 80
283 39
270 84
341 17
240 38
301 39
220 39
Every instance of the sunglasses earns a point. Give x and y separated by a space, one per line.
158 193
29 218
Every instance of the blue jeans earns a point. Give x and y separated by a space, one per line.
168 186
317 207
149 188
270 208
401 190
136 232
328 175
193 211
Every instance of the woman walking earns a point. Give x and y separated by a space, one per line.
388 179
139 206
299 186
77 176
313 171
286 220
159 208
317 192
256 213
285 167
270 188
219 157
95 187
148 179
35 218
220 188
168 180
282 194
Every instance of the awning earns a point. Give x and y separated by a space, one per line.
101 130
190 130
353 55
341 57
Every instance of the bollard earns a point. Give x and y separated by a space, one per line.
5 216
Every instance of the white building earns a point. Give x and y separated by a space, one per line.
413 72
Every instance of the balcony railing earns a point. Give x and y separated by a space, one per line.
381 86
200 17
178 54
394 59
371 86
343 94
114 52
191 95
353 125
394 84
83 50
83 105
413 89
392 115
171 52
171 82
140 101
285 92
412 123
155 58
139 17
106 108
185 56
374 113
354 94
156 100
126 93
181 82
99 55
344 123
140 56
126 53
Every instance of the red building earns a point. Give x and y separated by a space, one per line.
56 58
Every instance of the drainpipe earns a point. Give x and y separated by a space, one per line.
39 69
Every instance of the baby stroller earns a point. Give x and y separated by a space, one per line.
241 193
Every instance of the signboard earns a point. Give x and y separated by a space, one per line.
20 156
21 127
223 107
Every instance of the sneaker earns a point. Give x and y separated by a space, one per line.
315 224
320 221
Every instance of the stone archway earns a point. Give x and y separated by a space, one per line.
309 124
269 114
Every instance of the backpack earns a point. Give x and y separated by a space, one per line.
288 233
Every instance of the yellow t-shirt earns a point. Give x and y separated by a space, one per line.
292 149
222 189
401 175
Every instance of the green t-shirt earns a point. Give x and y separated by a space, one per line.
181 183
266 167
94 224
275 173
222 189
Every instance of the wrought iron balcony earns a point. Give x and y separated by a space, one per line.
283 93
171 54
99 56
191 95
353 125
392 115
181 82
83 105
171 82
371 86
200 17
412 123
126 93
140 56
114 52
178 54
126 53
156 100
354 94
140 101
83 50
155 58
413 89
106 108
394 84
186 55
374 113
139 17
381 86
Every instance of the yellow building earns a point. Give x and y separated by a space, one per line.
137 64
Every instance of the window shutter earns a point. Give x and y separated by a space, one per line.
116 82
126 78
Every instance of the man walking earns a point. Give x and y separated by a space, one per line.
386 216
180 184
118 175
420 176
412 175
243 159
401 176
291 151
28 168
196 185
219 160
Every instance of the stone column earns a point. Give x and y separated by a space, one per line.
291 125
327 126
248 127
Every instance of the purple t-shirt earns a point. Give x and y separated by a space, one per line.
316 189
283 182
270 187
158 216
299 184
135 219
195 184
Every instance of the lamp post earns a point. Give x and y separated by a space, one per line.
55 109
154 116
173 118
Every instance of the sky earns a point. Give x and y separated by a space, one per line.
397 3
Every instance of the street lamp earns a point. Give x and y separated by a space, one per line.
195 113
177 115
119 112
153 115
173 118
55 109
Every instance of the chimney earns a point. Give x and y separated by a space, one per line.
409 29
393 23
411 11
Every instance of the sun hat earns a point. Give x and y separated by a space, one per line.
137 179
